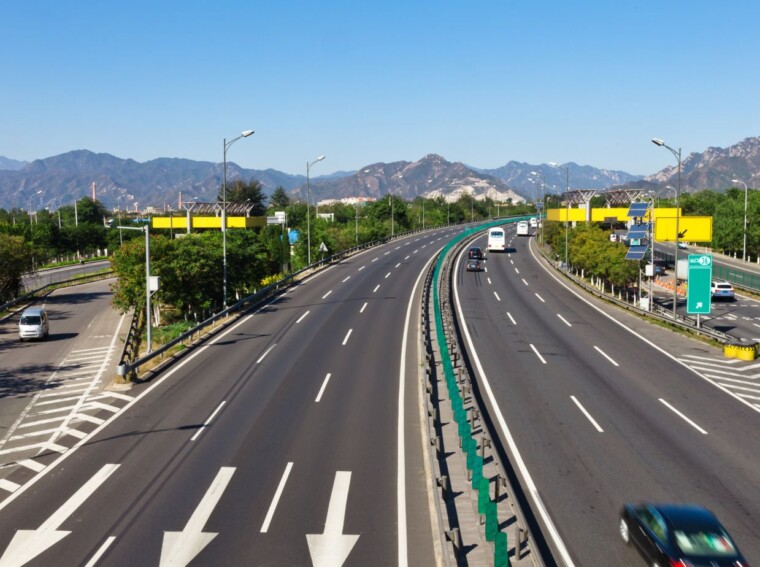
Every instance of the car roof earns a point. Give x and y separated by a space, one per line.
33 311
688 517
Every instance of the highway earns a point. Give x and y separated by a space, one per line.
601 415
291 438
41 278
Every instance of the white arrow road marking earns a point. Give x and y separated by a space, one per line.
180 548
331 548
28 544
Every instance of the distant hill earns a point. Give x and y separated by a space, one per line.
11 164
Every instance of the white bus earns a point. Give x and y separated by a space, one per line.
522 228
497 240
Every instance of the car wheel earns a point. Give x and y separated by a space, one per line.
624 532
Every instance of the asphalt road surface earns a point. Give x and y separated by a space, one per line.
602 416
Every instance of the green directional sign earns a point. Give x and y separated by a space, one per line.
698 284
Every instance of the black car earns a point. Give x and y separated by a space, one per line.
475 253
473 265
677 534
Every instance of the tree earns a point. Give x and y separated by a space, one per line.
251 192
279 199
15 259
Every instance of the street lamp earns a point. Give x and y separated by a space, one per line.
308 209
227 144
567 204
543 201
744 246
30 204
677 154
146 230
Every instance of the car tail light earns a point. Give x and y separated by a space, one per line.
680 563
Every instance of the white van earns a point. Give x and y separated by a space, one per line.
522 228
33 324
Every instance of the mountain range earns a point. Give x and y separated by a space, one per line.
61 179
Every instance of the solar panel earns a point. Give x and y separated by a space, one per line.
638 231
636 252
638 209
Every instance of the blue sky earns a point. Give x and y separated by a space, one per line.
482 82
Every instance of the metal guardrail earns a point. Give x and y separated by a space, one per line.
93 277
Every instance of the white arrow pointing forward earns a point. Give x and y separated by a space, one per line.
331 548
28 544
180 548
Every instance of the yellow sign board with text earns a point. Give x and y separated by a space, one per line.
690 229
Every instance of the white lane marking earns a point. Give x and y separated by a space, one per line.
31 465
415 251
523 281
332 546
517 271
512 262
605 355
276 499
682 416
511 318
206 423
8 486
376 288
376 259
565 321
397 265
360 269
266 352
538 354
75 433
28 544
302 317
99 553
363 307
541 298
406 258
531 488
387 275
497 296
587 414
346 279
485 269
325 295
348 334
387 253
180 548
489 281
322 389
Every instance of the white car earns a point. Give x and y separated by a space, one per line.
721 289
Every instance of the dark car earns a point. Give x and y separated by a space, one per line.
677 534
475 253
473 265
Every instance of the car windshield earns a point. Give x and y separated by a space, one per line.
30 320
705 543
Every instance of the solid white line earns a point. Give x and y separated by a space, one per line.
541 298
88 418
605 355
497 296
376 288
348 334
322 389
266 352
511 318
302 317
565 321
531 488
107 394
587 414
523 281
682 416
205 424
98 554
75 433
8 485
325 295
276 499
363 307
538 354
31 465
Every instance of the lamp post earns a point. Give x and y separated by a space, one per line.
744 245
543 201
677 155
308 210
227 144
567 205
30 204
146 230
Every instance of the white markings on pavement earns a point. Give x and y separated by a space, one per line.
489 281
538 354
376 288
99 553
348 334
517 271
397 265
523 281
511 318
332 547
541 298
302 317
497 296
605 355
376 259
406 258
325 295
206 423
682 416
387 275
180 548
565 321
322 389
266 352
346 279
587 414
28 544
363 307
360 269
8 486
276 499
